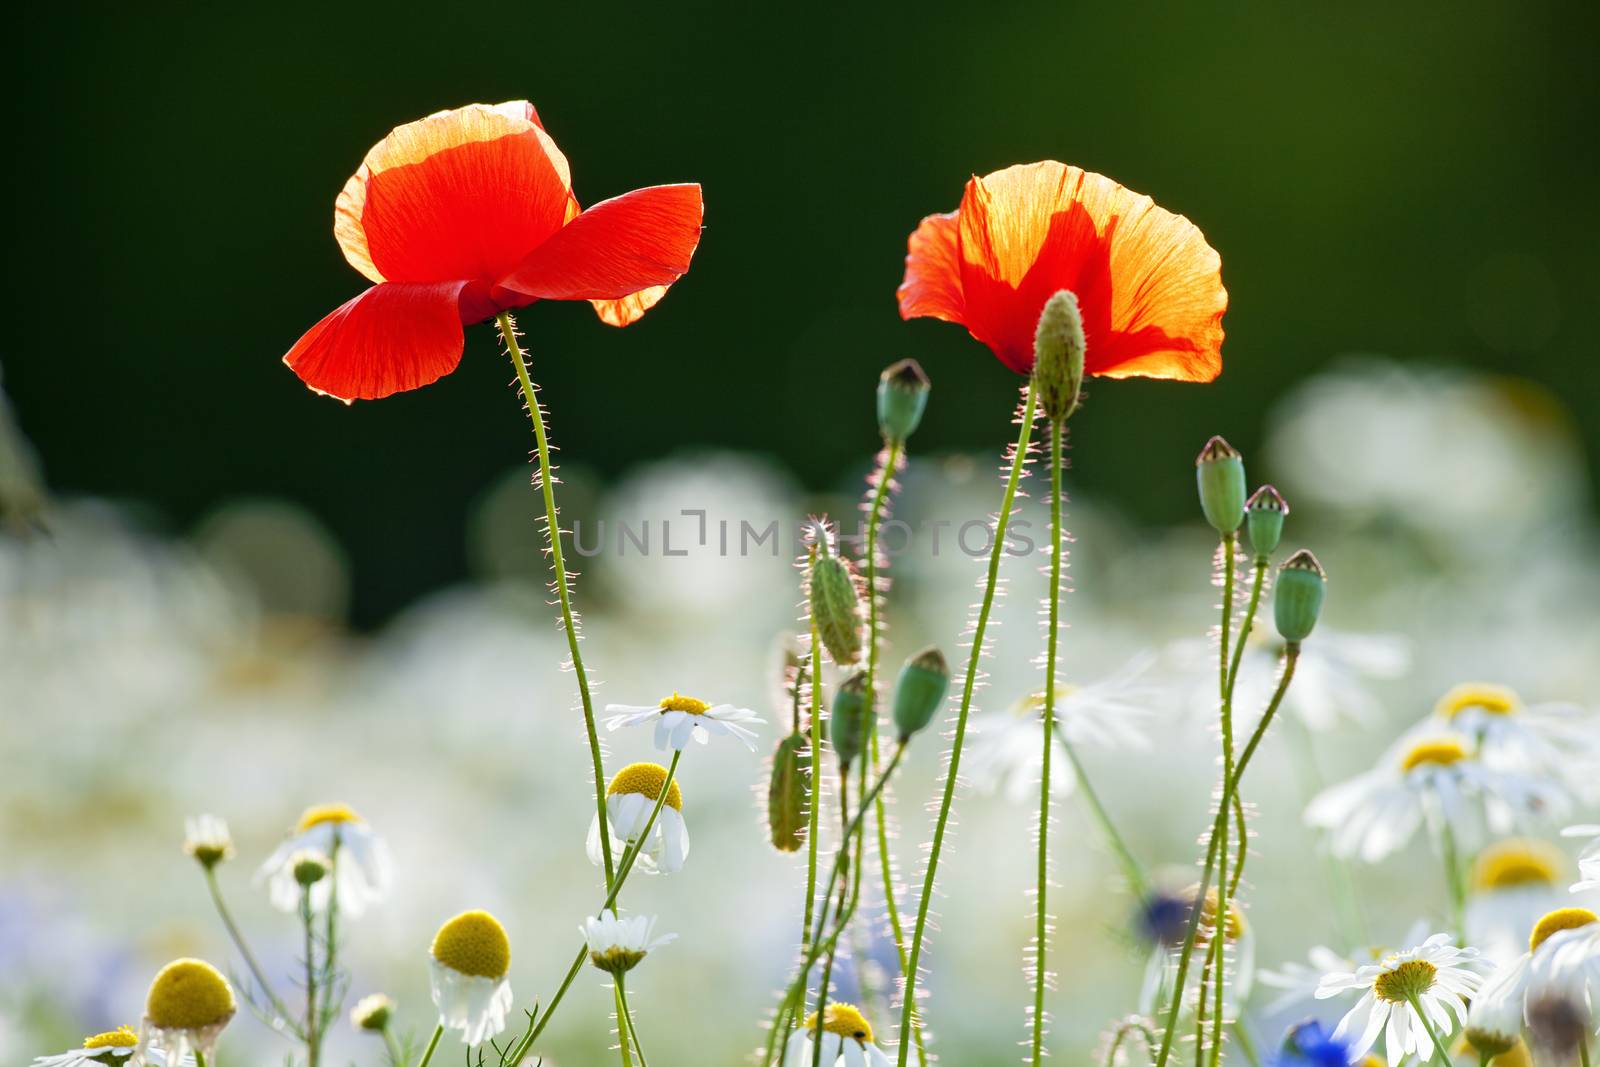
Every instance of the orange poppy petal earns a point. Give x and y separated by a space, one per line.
932 285
460 194
1149 286
629 309
391 338
617 248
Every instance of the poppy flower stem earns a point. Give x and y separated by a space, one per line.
813 825
1041 931
530 395
1019 459
1225 695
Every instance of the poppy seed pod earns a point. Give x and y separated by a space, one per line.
1219 470
921 688
1058 348
852 718
902 398
788 793
835 606
1298 597
1264 515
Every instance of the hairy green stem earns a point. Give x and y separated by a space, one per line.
1041 916
1225 692
631 1028
908 1008
530 396
1131 1026
624 1041
313 1036
397 1057
239 942
813 817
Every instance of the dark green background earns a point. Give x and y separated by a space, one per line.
1365 171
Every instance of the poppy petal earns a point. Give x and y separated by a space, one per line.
460 194
932 286
617 248
629 309
391 338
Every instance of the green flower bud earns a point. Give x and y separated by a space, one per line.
1264 514
1058 348
309 867
1298 596
835 606
372 1013
852 718
788 794
902 398
921 688
1220 473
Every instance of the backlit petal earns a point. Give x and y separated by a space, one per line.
460 194
391 338
629 309
617 248
932 285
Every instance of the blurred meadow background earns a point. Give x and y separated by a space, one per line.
219 592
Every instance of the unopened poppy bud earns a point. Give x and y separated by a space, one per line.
1264 514
788 793
921 688
835 606
902 398
309 867
1058 348
1220 473
852 718
1297 600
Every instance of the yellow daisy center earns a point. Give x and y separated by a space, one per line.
121 1037
1557 921
1494 699
318 814
1208 916
1441 753
1369 1060
646 779
1515 1056
1517 862
684 704
845 1020
189 995
474 943
1404 981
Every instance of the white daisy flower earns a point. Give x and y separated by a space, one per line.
1514 881
114 1048
679 718
1005 755
630 799
186 1010
362 866
618 945
1562 963
206 838
1433 978
1423 778
468 964
846 1038
1588 859
1299 981
1161 972
1557 740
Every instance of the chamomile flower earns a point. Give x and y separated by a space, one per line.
1556 740
468 963
362 867
679 718
1562 964
630 798
1588 859
1425 778
1299 981
372 1012
1005 754
188 1006
110 1049
1514 881
1161 973
206 838
619 945
845 1036
1433 978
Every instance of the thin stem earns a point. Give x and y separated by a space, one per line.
1018 461
623 1037
1352 922
1241 1034
1422 1017
1290 659
1132 870
1225 692
244 949
815 780
330 946
1583 1050
1260 566
530 396
1121 1035
1041 916
627 1017
397 1058
199 1058
313 1038
433 1043
629 855
1450 856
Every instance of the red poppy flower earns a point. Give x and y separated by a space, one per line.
1148 285
468 213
